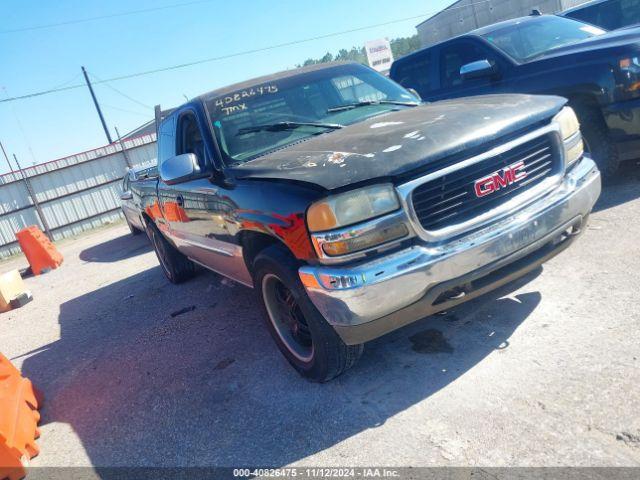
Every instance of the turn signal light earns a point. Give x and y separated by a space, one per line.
365 241
321 217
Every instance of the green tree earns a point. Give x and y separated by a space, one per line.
328 57
400 47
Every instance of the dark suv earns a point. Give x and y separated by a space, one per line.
598 71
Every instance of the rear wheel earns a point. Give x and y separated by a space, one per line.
176 267
132 229
301 333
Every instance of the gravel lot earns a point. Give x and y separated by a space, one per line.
545 372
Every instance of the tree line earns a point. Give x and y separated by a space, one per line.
399 46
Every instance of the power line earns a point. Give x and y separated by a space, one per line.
64 84
112 107
230 55
101 17
118 91
183 65
38 94
20 127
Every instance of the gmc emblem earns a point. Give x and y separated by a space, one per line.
500 179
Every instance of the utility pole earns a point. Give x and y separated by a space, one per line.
34 200
95 102
158 115
124 150
6 158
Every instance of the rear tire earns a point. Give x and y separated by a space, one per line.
176 267
300 331
598 140
132 229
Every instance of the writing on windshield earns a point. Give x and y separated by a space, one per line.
253 120
236 101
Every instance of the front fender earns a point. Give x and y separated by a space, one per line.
290 229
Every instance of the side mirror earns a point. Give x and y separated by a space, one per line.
126 195
413 92
478 69
179 168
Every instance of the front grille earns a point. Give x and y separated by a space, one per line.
451 199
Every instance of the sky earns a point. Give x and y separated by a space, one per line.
47 127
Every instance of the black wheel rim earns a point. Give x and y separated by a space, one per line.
287 318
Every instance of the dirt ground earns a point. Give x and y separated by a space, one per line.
543 373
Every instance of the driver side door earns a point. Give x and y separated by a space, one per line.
197 211
183 204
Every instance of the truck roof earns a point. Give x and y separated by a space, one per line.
478 32
270 78
505 23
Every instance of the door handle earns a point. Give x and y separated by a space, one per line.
180 200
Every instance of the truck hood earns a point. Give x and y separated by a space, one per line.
614 39
395 143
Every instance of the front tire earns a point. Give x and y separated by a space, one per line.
598 141
176 266
300 331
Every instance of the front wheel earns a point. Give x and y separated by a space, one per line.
300 331
597 141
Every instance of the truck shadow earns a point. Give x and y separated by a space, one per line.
208 387
120 248
622 188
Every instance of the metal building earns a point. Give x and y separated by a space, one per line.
75 193
466 15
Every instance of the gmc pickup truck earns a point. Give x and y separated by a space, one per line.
354 209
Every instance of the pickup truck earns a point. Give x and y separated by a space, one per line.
354 209
597 71
131 208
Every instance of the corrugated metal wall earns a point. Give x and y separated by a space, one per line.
75 193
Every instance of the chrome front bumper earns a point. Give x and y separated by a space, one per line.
365 300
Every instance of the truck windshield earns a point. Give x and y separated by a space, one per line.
257 119
535 36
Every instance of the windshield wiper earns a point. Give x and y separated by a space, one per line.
282 126
366 103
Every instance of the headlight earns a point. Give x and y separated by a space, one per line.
571 137
352 207
629 64
628 78
568 122
356 221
